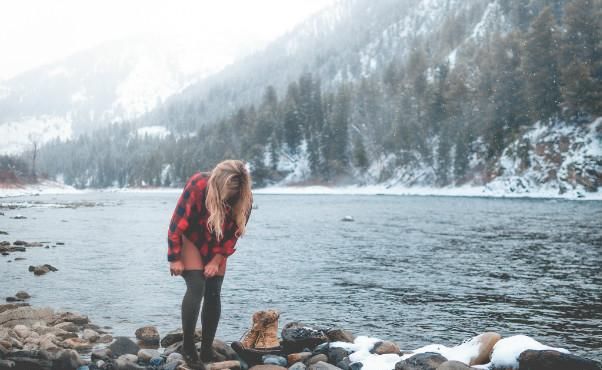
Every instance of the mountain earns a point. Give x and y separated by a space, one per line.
115 81
502 94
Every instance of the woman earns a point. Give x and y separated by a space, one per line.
210 216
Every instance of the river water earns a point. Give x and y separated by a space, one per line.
416 270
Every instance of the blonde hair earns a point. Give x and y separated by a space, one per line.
228 175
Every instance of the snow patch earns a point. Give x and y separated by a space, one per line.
153 131
506 351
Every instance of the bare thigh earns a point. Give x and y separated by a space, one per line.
191 257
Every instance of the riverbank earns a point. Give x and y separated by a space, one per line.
45 339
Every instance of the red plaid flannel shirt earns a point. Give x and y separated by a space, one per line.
190 219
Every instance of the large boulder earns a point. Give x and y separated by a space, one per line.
385 347
485 341
340 335
24 316
421 361
554 360
123 345
148 335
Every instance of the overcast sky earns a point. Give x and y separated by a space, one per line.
37 32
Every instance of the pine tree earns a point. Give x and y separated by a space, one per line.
541 67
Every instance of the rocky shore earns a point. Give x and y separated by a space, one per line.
45 339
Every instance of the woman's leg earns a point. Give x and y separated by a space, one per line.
212 308
191 304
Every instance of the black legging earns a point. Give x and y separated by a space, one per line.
197 288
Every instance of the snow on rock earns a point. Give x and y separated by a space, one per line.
43 187
361 353
506 351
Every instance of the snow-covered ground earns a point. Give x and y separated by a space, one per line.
464 191
42 188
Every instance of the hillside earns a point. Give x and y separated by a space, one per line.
438 93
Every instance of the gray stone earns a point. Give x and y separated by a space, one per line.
340 335
298 366
421 361
336 355
67 326
317 358
297 336
148 335
67 359
174 357
321 365
453 365
24 315
123 345
274 360
554 360
7 364
90 335
146 354
298 357
101 354
385 347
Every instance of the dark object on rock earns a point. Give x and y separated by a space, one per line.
554 360
296 337
453 365
336 355
122 346
148 335
340 335
253 356
22 294
421 361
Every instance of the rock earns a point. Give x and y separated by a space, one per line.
70 317
77 344
124 364
385 347
344 364
340 335
124 345
267 367
336 354
224 349
321 365
148 335
90 335
105 338
24 315
129 357
22 331
146 354
421 361
453 365
7 364
554 360
224 365
321 349
64 335
101 354
274 360
174 357
21 294
67 359
298 366
298 357
486 341
50 267
40 270
67 326
355 366
317 358
296 337
177 336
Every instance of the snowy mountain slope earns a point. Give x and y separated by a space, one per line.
347 41
115 81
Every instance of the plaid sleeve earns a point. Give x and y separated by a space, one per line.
179 220
227 245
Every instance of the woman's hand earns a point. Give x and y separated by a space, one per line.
176 268
211 269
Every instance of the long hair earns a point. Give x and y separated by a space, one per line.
229 175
